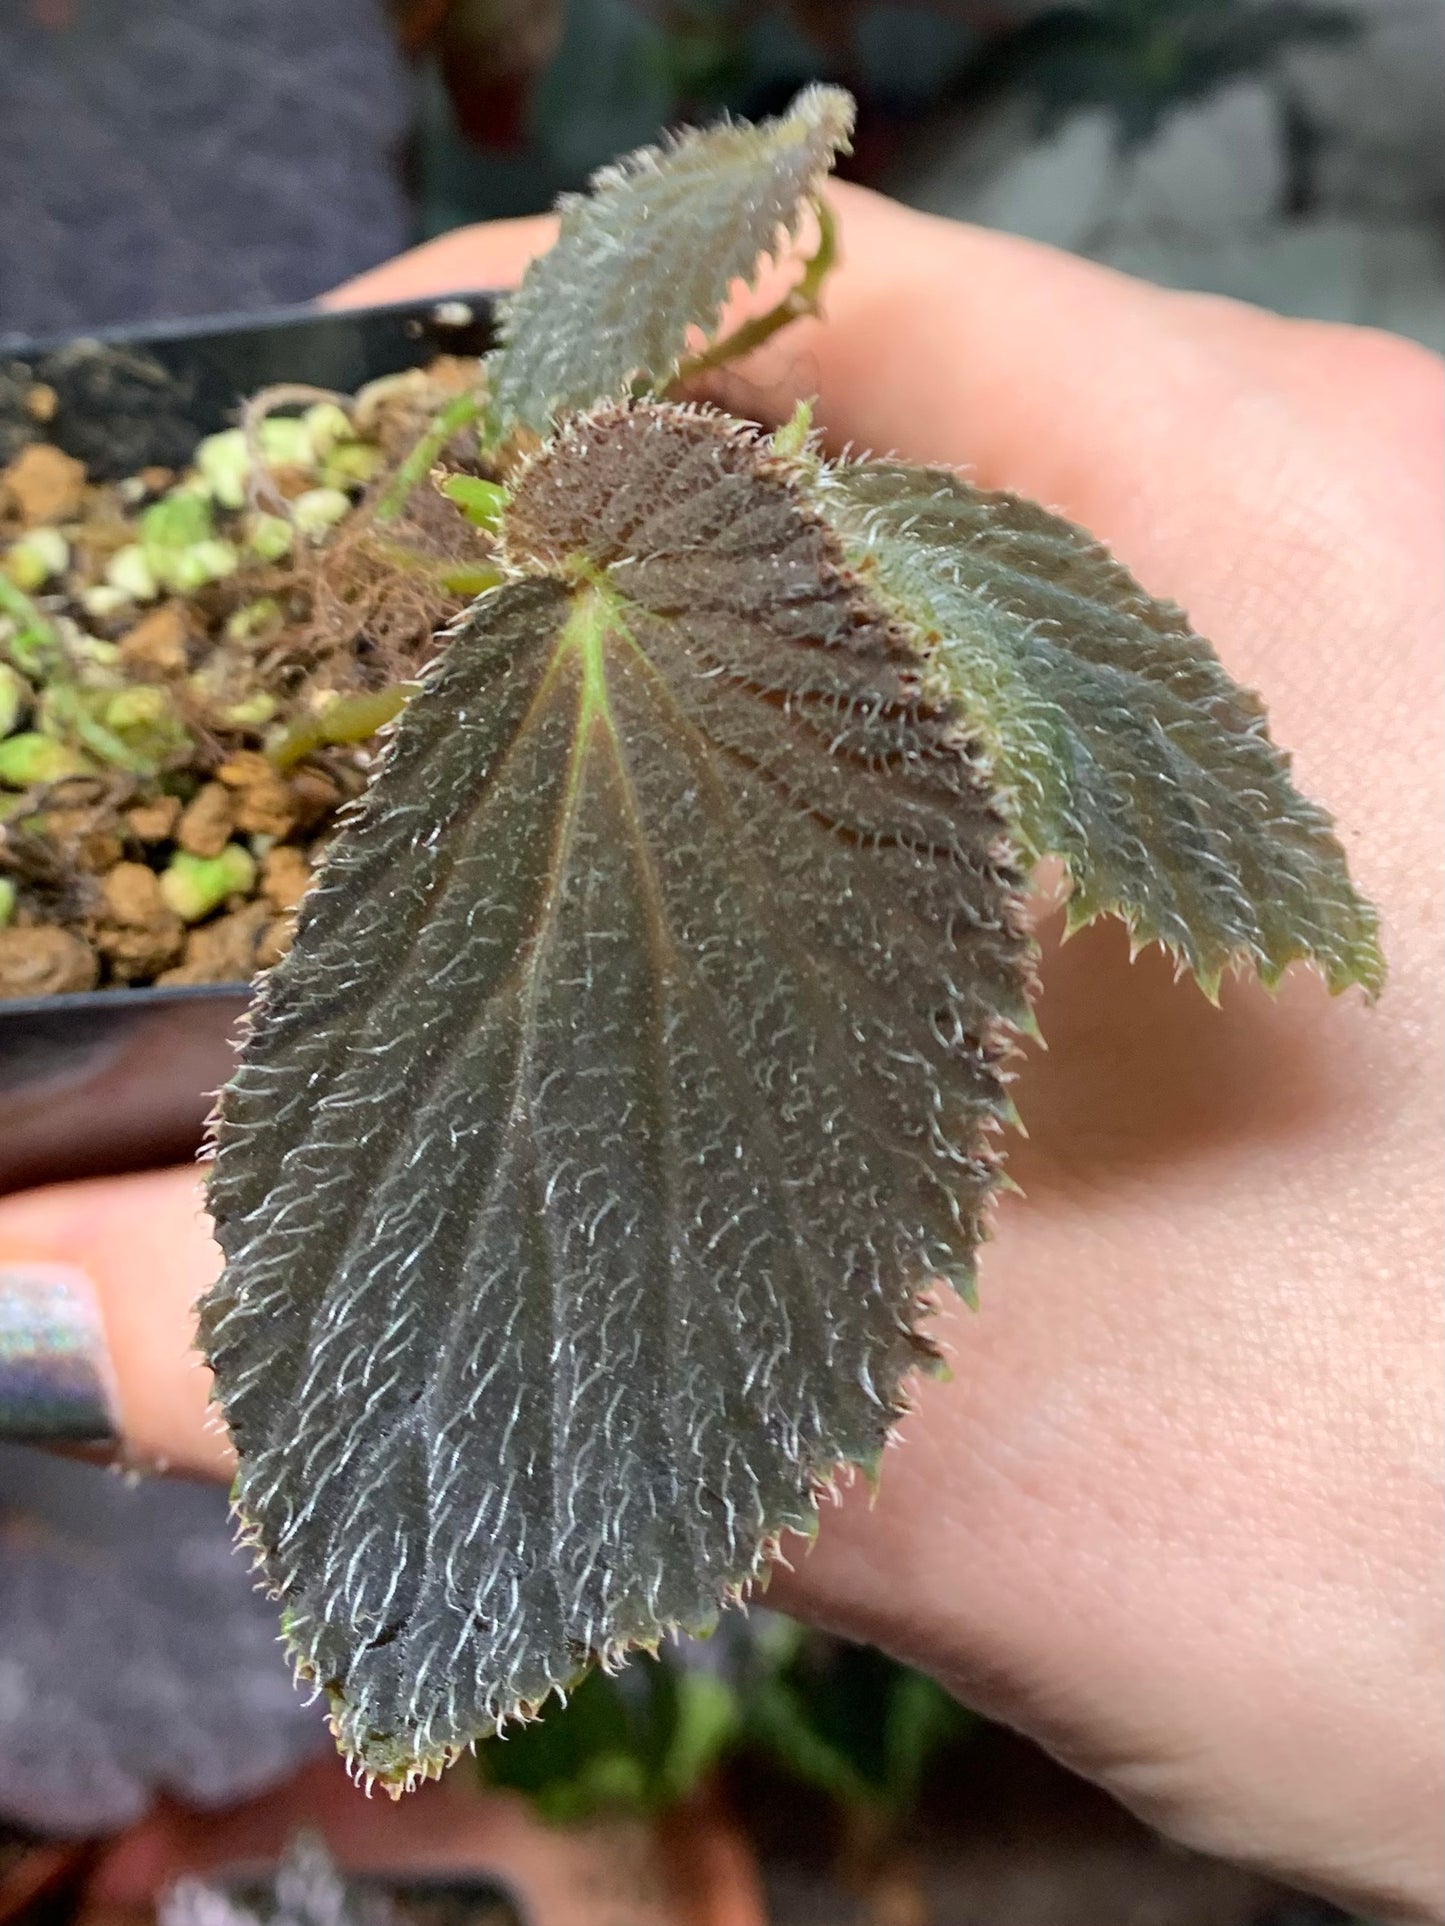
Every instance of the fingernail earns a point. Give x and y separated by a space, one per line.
56 1385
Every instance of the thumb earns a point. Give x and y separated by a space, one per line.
98 1285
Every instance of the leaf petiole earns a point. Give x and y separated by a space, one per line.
799 301
481 502
354 718
459 413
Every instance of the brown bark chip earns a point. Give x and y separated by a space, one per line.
262 799
157 643
225 951
275 941
314 795
138 934
132 894
45 962
87 836
141 955
43 486
285 876
207 822
155 821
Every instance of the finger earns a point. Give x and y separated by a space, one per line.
469 260
934 329
1193 1432
107 1274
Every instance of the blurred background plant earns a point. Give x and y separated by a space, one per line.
506 65
847 1721
1288 151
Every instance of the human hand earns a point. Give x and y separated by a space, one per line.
1176 1514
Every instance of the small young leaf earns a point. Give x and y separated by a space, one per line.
1123 745
480 501
632 1073
651 253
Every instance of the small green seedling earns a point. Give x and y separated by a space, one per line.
641 1059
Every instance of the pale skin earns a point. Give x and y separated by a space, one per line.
1177 1511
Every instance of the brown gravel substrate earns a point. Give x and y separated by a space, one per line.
98 866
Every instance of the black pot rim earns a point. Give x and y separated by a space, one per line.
126 334
148 996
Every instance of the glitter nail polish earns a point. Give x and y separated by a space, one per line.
56 1384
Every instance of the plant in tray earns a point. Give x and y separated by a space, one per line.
639 1066
192 664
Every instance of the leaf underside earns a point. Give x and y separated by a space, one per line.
633 1073
1118 738
651 253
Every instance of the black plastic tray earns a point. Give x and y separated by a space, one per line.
127 397
123 1079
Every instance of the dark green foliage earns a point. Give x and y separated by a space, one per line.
850 1722
640 1740
1115 735
657 998
1141 60
650 254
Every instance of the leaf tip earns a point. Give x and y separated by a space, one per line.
828 111
791 439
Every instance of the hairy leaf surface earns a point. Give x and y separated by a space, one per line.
650 253
1123 745
631 1075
